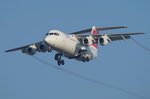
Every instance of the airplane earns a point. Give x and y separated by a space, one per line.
76 45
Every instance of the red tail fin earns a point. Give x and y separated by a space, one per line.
94 31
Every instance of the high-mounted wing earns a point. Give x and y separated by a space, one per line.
98 29
121 36
111 37
31 49
23 47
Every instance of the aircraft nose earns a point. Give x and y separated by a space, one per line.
46 39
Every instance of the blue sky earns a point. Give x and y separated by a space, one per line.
122 64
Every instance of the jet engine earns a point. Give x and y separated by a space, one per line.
103 40
43 47
30 50
86 41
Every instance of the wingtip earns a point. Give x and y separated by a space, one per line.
124 26
6 51
141 33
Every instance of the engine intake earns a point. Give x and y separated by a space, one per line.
87 41
30 51
43 47
103 40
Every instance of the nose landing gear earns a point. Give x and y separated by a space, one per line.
58 59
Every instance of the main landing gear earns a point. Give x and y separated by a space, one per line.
58 59
84 55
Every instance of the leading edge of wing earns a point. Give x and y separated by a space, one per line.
119 34
98 29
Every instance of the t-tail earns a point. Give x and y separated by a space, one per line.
94 31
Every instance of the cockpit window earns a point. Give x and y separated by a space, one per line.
51 33
46 34
56 34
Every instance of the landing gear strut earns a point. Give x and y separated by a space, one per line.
58 59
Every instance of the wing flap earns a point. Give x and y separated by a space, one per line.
123 34
115 38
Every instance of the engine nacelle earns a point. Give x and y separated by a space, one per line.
43 47
87 41
30 50
103 40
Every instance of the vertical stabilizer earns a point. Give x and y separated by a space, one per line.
94 31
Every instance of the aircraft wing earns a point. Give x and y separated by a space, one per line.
98 29
121 36
23 47
112 37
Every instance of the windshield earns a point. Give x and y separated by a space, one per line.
56 34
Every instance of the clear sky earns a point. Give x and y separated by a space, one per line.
121 64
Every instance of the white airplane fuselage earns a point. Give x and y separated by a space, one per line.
69 45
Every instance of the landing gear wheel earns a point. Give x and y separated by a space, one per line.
59 60
58 56
83 59
59 63
87 59
62 62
